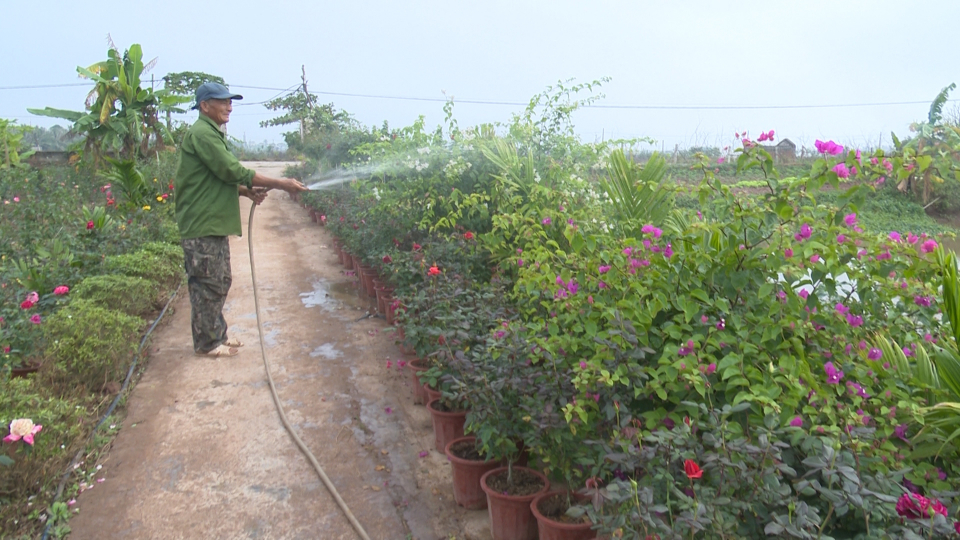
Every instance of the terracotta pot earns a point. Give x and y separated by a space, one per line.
313 216
556 530
382 295
23 371
510 516
347 259
419 395
431 393
466 477
391 310
447 426
368 274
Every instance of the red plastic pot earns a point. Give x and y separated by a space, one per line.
466 477
368 275
447 426
431 393
510 516
419 394
556 530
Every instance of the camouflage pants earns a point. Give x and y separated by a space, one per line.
207 261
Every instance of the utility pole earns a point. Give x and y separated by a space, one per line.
306 96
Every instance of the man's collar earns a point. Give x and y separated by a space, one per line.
210 121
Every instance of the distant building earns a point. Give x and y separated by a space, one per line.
783 152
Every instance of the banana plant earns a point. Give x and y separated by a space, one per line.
120 114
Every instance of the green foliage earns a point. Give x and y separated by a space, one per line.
91 345
185 85
148 265
133 295
637 193
35 466
126 176
11 144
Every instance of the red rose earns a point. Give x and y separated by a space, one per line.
692 469
433 271
468 235
26 304
416 247
328 146
90 225
387 259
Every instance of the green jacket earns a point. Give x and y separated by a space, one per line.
206 183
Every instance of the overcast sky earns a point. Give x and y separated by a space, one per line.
662 53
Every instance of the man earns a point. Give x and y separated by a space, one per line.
208 184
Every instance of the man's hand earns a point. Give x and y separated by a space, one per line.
286 184
292 186
257 195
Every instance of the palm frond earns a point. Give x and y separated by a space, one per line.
936 107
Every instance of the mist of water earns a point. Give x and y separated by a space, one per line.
364 171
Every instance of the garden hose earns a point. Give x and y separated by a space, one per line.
276 398
116 400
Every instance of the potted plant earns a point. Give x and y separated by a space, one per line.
468 465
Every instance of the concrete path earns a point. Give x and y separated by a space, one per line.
201 452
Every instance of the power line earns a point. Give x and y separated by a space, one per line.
525 103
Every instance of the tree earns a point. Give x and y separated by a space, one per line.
185 84
121 114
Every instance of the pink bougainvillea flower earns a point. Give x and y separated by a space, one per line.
895 236
61 290
928 246
874 161
850 220
788 253
922 301
796 422
650 229
424 453
627 251
388 410
546 221
874 354
841 170
389 364
805 231
22 428
519 262
815 258
704 319
841 238
912 238
720 160
762 137
721 324
604 269
711 368
401 363
828 147
887 165
782 296
686 349
668 251
803 293
928 338
834 375
841 309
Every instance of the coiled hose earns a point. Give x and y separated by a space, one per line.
276 398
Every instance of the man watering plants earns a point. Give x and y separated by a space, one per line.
208 184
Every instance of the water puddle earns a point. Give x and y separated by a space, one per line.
334 296
327 350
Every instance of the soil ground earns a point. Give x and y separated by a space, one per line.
201 452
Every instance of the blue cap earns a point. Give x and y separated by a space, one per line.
212 90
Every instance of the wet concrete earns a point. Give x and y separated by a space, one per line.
208 457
